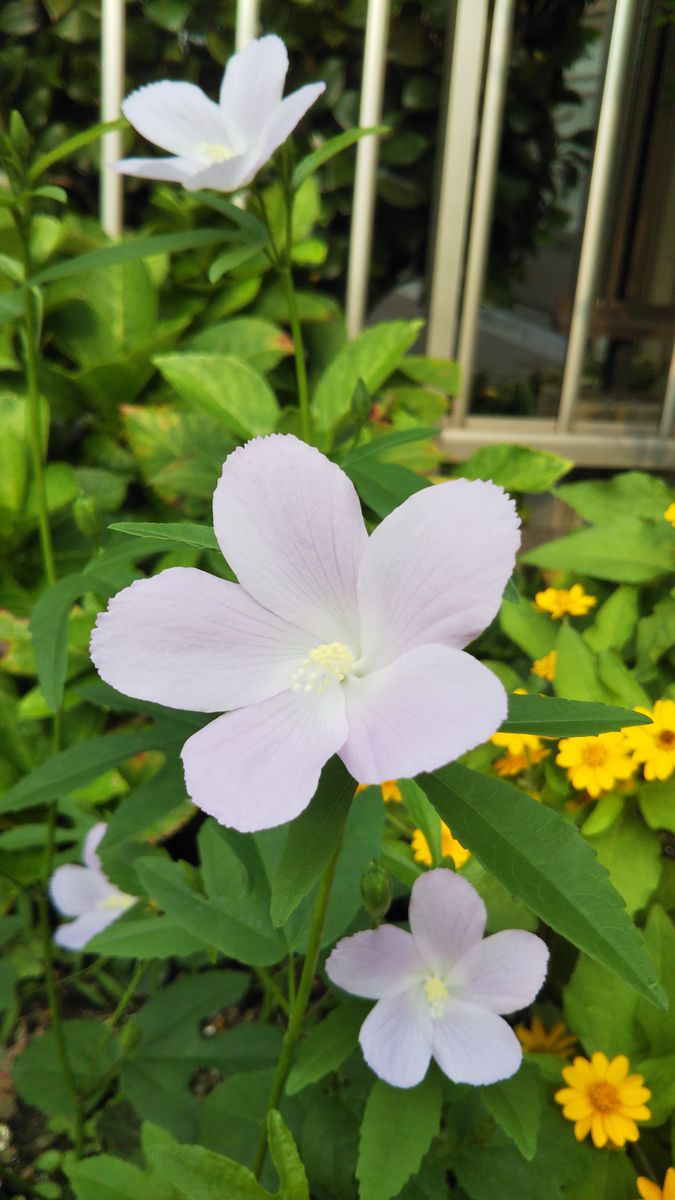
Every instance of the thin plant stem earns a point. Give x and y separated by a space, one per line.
299 1006
291 977
123 1002
270 986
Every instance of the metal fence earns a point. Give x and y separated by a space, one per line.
467 167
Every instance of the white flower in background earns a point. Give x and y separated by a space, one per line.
86 894
332 642
440 988
220 146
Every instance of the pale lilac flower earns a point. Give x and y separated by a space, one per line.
220 146
86 894
439 988
333 642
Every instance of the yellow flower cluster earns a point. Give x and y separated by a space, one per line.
565 602
450 847
652 1191
596 764
653 746
522 751
535 1039
545 667
604 1100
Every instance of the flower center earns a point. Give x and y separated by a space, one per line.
603 1097
117 901
437 995
595 756
332 661
213 152
667 738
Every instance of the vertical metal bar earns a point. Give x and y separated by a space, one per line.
601 178
456 171
363 205
246 27
667 425
111 200
483 199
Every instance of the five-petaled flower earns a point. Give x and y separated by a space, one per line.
220 146
440 988
331 642
594 764
564 602
653 746
86 894
604 1100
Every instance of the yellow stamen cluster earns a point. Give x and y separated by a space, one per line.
652 1191
437 995
213 152
565 602
332 661
594 764
545 667
450 848
653 745
535 1039
522 751
604 1100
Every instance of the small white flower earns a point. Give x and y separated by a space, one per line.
86 893
440 988
220 146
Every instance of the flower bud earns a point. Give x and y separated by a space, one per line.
375 891
86 515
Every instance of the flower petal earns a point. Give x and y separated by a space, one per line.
396 1038
75 890
289 113
170 170
189 640
447 917
420 712
617 1069
175 116
91 843
504 972
252 87
259 766
225 176
472 1045
76 934
376 963
436 568
289 523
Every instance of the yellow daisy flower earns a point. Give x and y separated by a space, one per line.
545 667
669 515
389 789
450 847
594 764
654 745
522 750
535 1039
604 1100
652 1191
564 602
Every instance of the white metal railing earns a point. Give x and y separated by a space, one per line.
468 156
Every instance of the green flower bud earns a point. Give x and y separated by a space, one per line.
375 891
86 516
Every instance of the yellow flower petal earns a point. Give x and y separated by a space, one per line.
599 1064
617 1070
669 1184
582 1127
649 1190
598 1130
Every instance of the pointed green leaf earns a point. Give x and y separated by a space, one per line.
327 1045
516 1104
292 1176
547 716
225 388
398 1127
181 533
373 356
72 145
140 247
311 162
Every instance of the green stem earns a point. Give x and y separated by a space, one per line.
270 986
299 351
126 997
299 1006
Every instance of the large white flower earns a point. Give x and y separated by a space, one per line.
332 642
440 988
86 894
220 146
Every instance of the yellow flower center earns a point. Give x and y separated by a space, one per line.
603 1097
213 153
325 664
437 995
666 738
595 755
117 901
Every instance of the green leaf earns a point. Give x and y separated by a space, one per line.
621 682
233 1116
576 674
603 815
516 1105
542 859
548 716
532 631
615 620
608 1177
7 982
424 815
373 356
378 446
49 631
657 804
240 216
631 854
311 841
38 1074
120 252
79 764
311 162
145 938
178 533
259 343
234 257
193 1173
627 494
383 486
72 145
105 1177
223 388
385 1162
659 1076
629 550
514 468
435 372
169 1048
659 1027
327 1045
598 1023
287 1161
